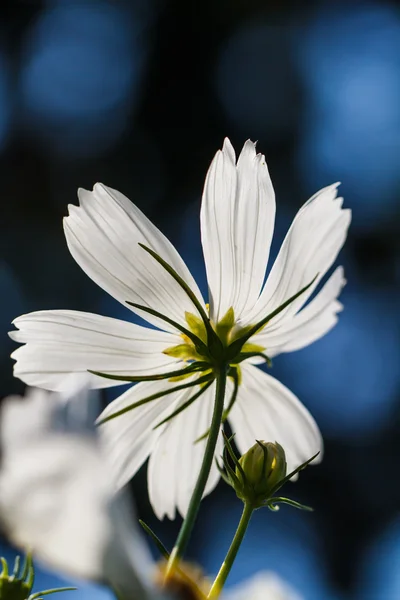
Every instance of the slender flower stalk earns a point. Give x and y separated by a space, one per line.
166 415
256 477
194 505
226 566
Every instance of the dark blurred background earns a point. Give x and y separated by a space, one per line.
139 94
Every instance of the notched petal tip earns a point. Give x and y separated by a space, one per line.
228 150
248 151
13 335
102 188
81 192
73 210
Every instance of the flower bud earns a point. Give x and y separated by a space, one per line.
259 471
13 587
18 585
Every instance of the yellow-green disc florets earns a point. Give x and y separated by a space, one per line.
223 347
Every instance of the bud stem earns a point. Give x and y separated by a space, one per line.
224 571
194 505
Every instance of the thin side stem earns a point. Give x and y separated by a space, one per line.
224 571
194 505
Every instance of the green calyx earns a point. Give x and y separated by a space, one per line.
259 474
18 585
191 348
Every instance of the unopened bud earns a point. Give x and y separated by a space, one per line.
18 585
259 471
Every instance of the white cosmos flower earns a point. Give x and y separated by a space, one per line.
57 497
237 223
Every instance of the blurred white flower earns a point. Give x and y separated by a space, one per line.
262 586
57 496
237 223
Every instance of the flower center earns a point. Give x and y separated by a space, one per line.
226 331
185 582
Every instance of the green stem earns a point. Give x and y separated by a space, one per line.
232 552
194 505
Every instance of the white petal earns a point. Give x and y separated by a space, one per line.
267 410
59 342
57 509
130 438
57 495
254 226
217 230
176 459
237 221
103 236
308 325
22 417
311 246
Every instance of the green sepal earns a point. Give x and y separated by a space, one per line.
272 504
18 586
181 351
224 326
156 396
190 401
222 472
294 472
245 355
193 368
237 345
38 595
213 342
197 341
160 546
196 326
229 450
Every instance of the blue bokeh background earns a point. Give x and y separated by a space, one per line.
139 94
